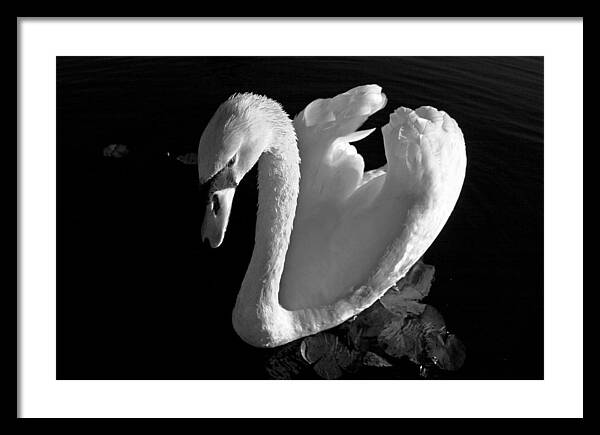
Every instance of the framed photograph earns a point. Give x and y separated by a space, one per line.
224 223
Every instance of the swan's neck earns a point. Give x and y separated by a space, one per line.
278 185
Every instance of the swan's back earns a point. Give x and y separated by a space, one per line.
353 228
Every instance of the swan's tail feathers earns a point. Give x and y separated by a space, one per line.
422 147
332 168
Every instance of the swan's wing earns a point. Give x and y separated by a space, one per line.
425 151
426 157
355 229
331 167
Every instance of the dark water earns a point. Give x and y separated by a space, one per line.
139 296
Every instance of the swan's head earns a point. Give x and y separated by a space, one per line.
230 146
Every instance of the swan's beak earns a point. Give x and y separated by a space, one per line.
216 217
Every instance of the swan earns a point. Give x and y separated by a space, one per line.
330 239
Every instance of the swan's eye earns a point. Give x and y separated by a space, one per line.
231 162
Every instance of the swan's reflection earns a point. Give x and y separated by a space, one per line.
394 333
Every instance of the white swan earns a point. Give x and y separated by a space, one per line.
330 239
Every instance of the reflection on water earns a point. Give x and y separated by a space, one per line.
396 329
